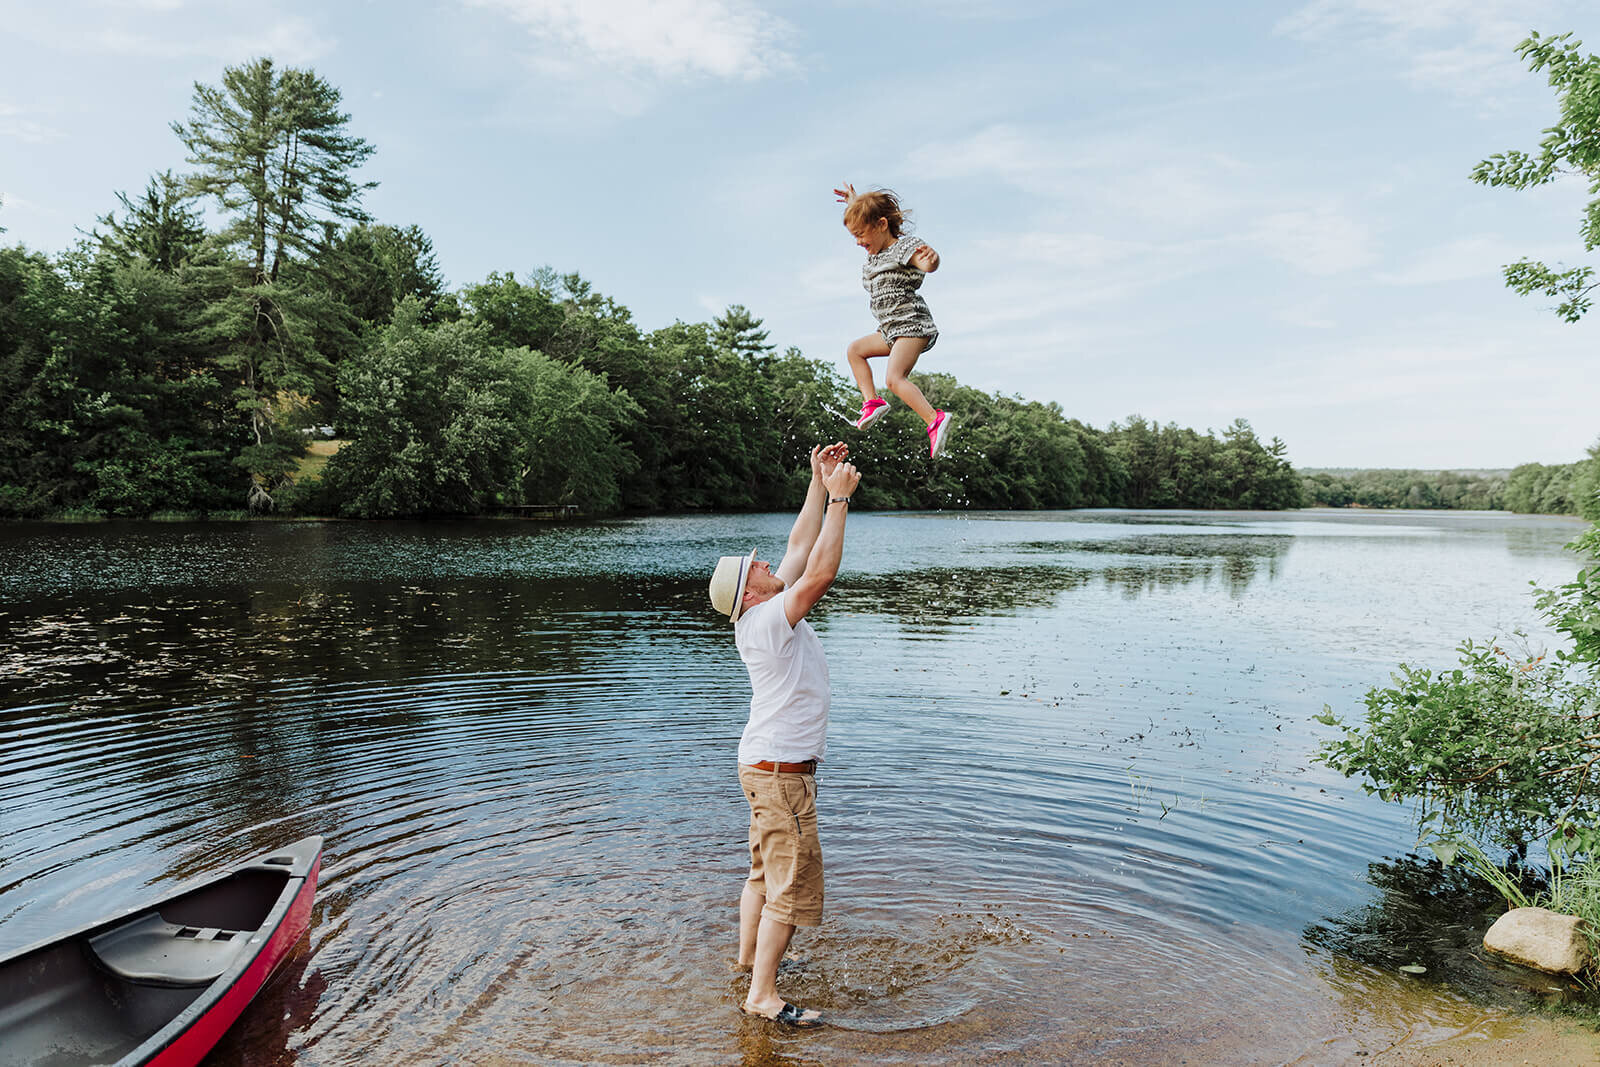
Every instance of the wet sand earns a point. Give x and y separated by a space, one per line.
1488 1043
1509 1042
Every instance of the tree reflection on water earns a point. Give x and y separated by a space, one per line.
1025 583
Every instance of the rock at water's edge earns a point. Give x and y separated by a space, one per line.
1538 937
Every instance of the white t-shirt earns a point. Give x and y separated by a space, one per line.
789 677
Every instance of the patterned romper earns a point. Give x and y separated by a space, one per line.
891 283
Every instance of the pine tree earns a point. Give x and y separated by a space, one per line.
739 332
272 149
159 228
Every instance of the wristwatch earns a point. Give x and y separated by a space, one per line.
838 500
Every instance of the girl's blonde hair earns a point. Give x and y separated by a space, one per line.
867 208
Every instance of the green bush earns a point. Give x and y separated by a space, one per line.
1501 750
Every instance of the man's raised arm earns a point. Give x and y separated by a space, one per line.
822 566
803 535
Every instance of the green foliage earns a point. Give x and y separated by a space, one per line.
1535 489
516 315
1404 489
444 421
1500 750
1584 491
1574 608
160 229
739 332
434 416
1571 286
268 341
272 150
1571 147
1494 749
1575 890
1008 453
35 390
1173 467
571 450
370 268
107 402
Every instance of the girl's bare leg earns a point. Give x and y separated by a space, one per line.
902 358
860 350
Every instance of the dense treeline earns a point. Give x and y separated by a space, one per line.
1482 491
1533 488
1563 489
167 365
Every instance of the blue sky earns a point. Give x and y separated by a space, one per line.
1148 208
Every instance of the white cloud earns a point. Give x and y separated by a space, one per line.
14 123
1320 242
1083 251
1313 314
1463 46
1002 150
289 41
723 39
162 29
1131 176
1460 260
144 5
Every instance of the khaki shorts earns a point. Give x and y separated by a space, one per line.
785 854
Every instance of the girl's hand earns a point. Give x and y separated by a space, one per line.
832 456
824 458
847 194
925 259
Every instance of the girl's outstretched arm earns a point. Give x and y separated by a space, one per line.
925 259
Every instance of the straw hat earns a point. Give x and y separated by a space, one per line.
727 584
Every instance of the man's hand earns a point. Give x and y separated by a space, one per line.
842 481
925 259
847 194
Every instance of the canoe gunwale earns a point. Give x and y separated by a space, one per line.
189 1034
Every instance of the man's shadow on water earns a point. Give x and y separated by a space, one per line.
1431 916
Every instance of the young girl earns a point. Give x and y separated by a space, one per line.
893 272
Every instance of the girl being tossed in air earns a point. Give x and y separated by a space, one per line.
896 263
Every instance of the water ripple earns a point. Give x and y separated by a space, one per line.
1067 810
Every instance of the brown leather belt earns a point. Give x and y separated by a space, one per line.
808 767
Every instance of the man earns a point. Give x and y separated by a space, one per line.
787 734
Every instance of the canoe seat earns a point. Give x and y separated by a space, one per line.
150 949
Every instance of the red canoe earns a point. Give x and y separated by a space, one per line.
160 983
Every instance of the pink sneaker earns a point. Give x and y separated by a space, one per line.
937 433
872 411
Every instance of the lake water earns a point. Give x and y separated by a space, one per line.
1068 811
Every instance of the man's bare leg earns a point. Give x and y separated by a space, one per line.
750 905
772 939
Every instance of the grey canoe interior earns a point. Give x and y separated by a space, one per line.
97 994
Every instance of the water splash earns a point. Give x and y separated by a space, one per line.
836 413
